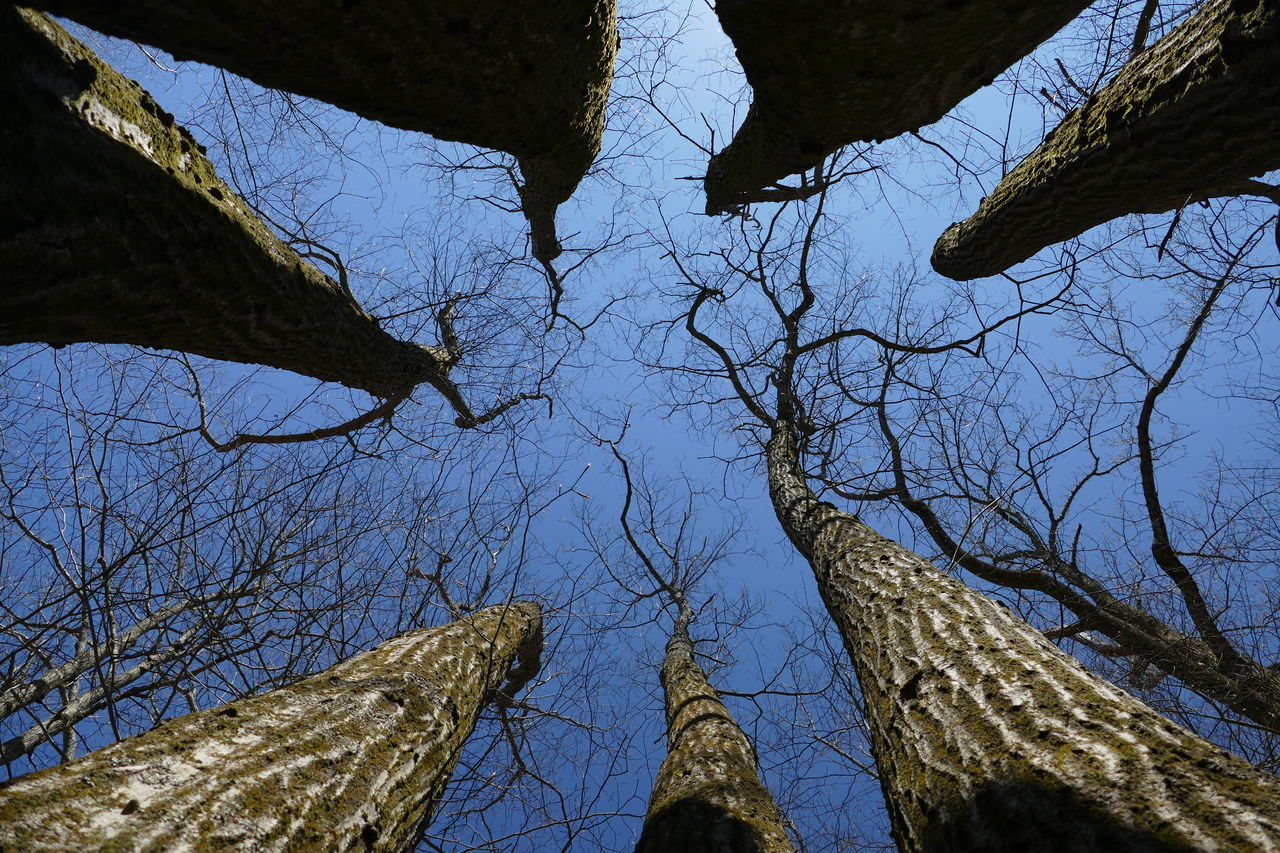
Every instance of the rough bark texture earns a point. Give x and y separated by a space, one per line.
1240 683
1186 120
527 78
350 759
708 795
114 228
986 736
826 73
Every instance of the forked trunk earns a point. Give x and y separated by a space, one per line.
351 759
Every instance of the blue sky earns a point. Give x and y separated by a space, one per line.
412 234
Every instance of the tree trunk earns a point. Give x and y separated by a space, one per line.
351 759
114 228
1189 119
1240 682
527 78
987 737
708 795
825 74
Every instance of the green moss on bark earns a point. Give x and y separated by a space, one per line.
530 79
986 736
115 228
352 758
825 74
708 794
1188 119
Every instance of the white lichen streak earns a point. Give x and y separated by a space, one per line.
988 737
101 116
348 759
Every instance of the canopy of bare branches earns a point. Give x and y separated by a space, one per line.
380 409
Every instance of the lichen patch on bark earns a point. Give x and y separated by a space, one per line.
825 74
350 759
1186 120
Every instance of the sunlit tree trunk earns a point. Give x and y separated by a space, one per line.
527 78
708 794
826 74
986 736
115 228
1191 118
351 759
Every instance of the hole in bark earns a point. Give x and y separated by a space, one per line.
368 835
130 807
228 712
911 689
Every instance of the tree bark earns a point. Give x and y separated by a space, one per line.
825 74
1188 119
351 759
527 78
708 794
115 228
1240 683
986 736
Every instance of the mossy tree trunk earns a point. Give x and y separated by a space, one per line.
825 74
351 759
115 228
708 794
1191 118
530 79
986 736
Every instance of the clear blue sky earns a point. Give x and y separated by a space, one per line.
387 212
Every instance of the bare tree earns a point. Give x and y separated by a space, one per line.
171 256
708 794
354 757
1191 118
147 572
491 81
985 734
971 712
826 75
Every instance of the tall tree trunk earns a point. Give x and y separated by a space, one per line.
825 74
987 737
351 759
115 228
1239 682
1188 119
708 794
527 78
